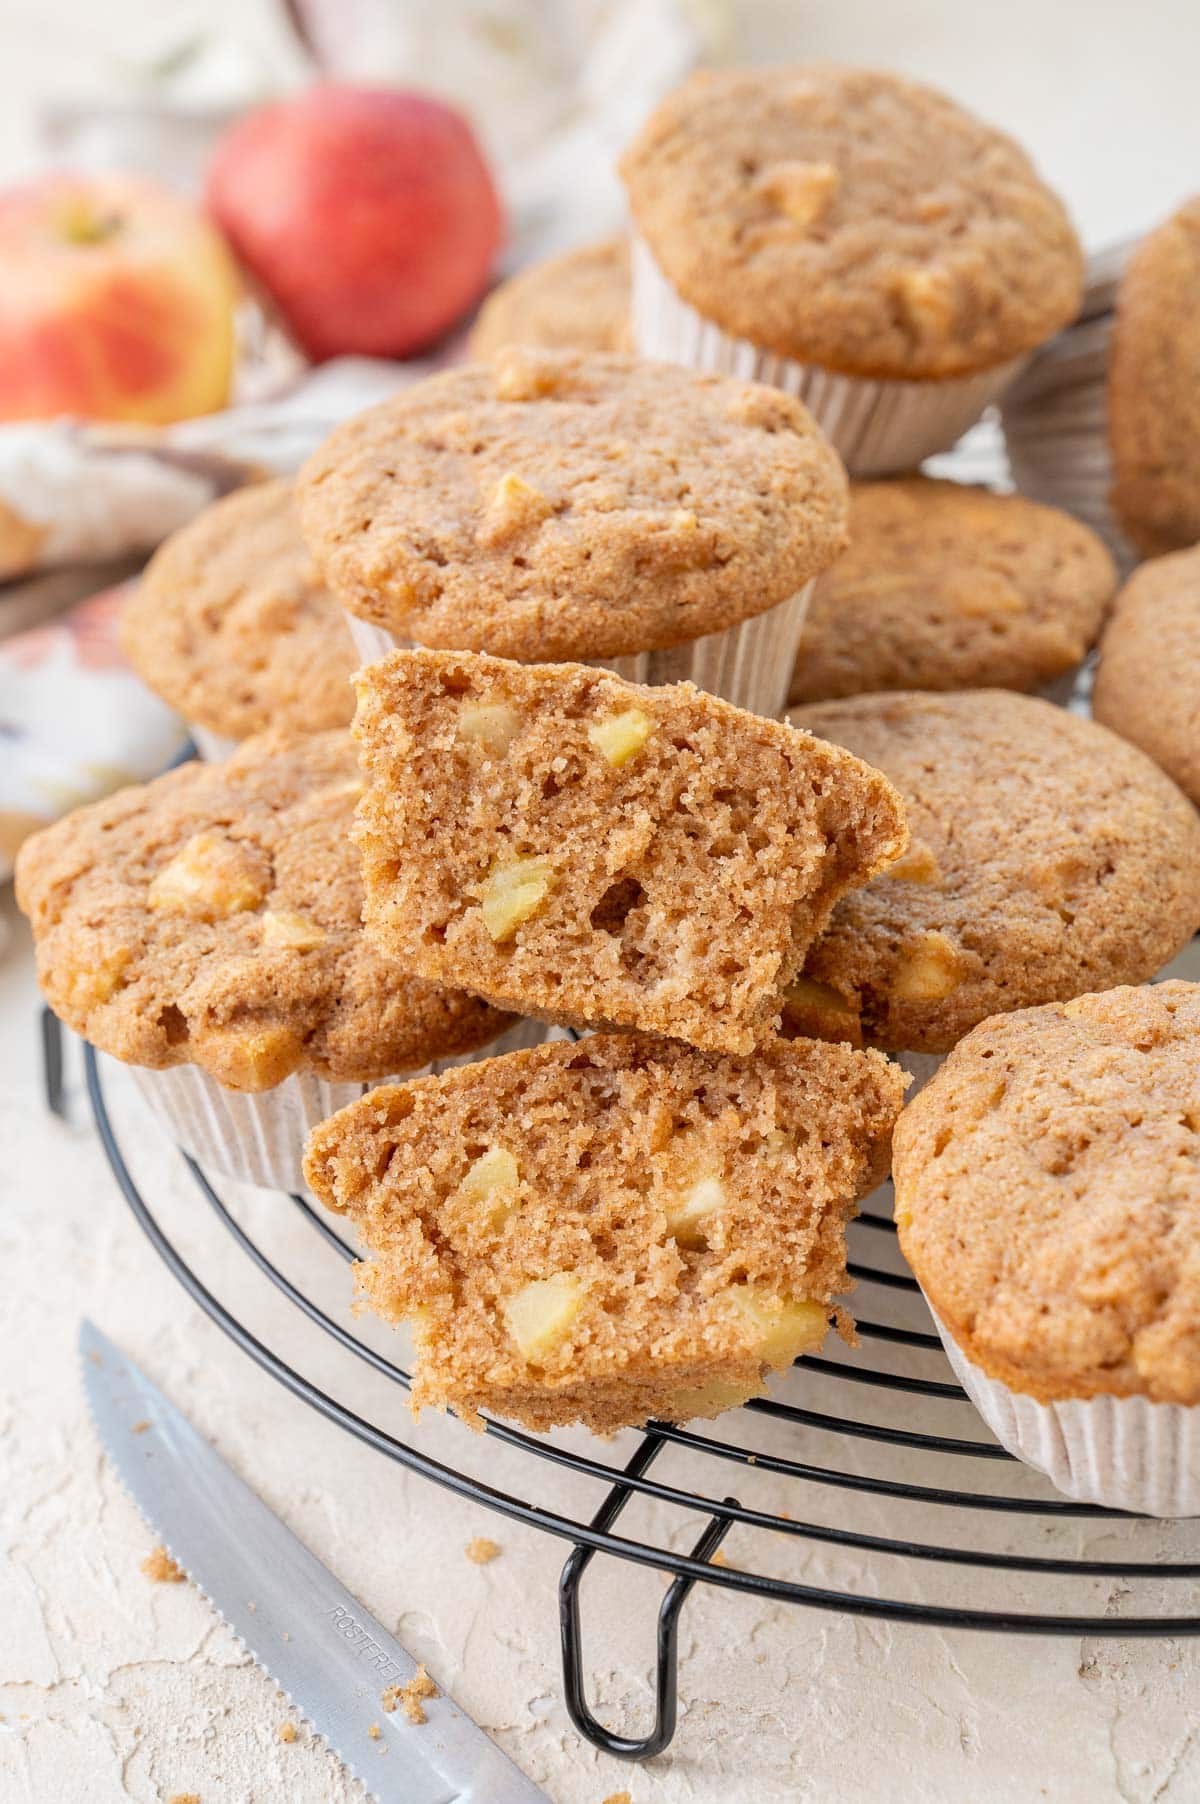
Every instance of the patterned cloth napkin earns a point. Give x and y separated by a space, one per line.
74 720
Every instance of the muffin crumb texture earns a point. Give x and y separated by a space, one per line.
600 852
1048 1195
550 505
614 1230
161 1569
1047 858
213 917
852 219
410 1698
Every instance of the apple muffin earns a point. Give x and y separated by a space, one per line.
1153 388
206 928
1147 685
604 1233
1048 1200
596 852
231 624
578 301
851 237
1048 858
851 219
944 586
213 916
553 505
550 505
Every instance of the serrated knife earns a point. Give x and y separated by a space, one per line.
331 1657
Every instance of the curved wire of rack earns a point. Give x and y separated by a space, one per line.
598 1534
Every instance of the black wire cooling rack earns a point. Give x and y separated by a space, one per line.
760 1442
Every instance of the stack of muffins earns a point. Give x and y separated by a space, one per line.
669 736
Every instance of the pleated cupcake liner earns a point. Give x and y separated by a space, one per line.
1126 1453
1062 690
749 664
1055 416
214 748
878 428
1056 428
921 1066
259 1137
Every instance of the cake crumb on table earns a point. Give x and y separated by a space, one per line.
374 1731
287 1731
140 1427
184 1797
480 1551
159 1566
619 1797
409 1696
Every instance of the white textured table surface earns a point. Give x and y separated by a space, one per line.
116 1688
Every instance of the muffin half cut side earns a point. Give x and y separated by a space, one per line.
600 852
613 1231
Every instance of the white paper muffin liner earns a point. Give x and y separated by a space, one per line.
1056 428
214 748
1061 690
258 1137
921 1066
1124 1452
876 427
750 664
1055 416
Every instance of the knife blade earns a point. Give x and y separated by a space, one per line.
318 1643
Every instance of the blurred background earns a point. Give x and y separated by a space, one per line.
1103 93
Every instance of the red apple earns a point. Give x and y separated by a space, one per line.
368 215
116 302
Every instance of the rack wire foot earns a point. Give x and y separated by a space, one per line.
52 1064
666 1690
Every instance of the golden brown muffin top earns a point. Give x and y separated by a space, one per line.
1154 388
232 625
1147 685
948 587
212 917
553 505
1048 858
578 301
852 219
1048 1195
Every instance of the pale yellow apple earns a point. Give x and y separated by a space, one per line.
117 303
